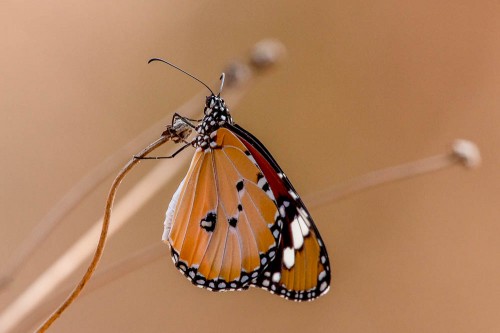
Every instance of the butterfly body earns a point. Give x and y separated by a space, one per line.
236 221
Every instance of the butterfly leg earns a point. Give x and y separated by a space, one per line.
163 157
186 120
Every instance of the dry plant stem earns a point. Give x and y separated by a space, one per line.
127 265
102 277
381 177
102 239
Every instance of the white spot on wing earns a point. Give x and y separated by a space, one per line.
282 211
288 257
303 226
262 181
293 195
250 157
305 216
270 195
298 239
206 224
276 277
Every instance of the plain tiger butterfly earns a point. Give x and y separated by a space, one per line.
236 221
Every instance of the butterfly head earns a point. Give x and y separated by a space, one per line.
216 115
213 103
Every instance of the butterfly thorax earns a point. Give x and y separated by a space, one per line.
216 115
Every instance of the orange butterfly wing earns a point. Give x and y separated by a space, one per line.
221 226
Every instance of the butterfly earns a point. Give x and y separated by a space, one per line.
236 221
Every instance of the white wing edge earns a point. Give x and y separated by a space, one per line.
169 215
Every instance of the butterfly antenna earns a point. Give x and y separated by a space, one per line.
222 77
168 63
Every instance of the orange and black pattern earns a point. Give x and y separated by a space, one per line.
236 221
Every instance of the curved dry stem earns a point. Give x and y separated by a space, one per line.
104 231
463 152
102 277
381 177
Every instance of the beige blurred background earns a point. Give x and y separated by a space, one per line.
366 85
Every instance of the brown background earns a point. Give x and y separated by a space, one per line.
366 85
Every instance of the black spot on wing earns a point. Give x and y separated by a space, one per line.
239 185
232 222
208 223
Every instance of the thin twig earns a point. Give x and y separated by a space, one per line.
463 152
103 236
178 131
381 177
102 277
